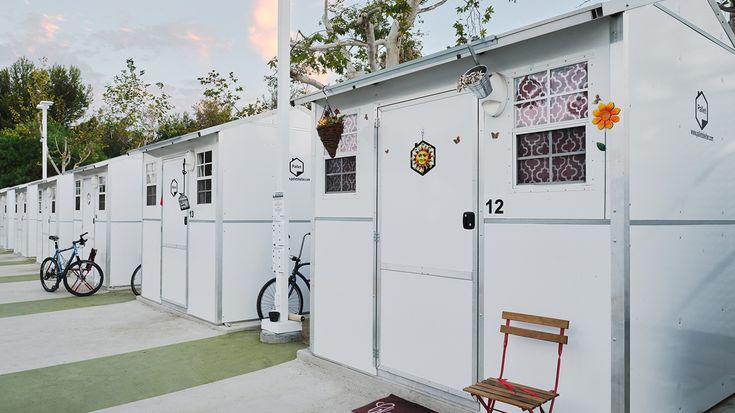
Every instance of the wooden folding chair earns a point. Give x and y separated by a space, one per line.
524 397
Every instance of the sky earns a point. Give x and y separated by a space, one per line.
176 41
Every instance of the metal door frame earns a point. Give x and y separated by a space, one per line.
164 159
477 340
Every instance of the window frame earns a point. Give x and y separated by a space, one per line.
204 178
101 193
151 181
53 200
550 127
341 154
78 195
40 201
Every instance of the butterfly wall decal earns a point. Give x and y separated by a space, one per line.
456 140
495 135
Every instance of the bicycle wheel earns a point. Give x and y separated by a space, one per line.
267 298
49 275
83 278
136 281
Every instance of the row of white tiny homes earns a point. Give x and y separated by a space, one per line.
105 203
209 253
403 288
7 220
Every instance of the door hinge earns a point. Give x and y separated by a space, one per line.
376 353
376 236
377 122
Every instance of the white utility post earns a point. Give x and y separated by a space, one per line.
43 106
280 214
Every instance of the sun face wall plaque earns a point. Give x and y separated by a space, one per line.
423 157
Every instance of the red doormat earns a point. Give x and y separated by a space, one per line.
392 404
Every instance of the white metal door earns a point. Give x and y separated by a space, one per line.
427 181
45 224
21 221
174 236
89 206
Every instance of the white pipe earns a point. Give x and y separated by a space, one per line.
284 97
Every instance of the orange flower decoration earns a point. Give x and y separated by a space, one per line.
606 116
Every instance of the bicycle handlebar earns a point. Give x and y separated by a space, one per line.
81 240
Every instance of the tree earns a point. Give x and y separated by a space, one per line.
23 85
19 158
176 125
219 104
130 104
366 37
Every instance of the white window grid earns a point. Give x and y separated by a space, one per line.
549 126
205 173
102 193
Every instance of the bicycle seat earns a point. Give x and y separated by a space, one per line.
53 238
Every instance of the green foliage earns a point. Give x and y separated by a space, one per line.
23 85
471 25
177 124
20 158
131 106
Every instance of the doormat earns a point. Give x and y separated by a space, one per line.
392 404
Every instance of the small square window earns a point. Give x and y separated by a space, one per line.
340 174
77 195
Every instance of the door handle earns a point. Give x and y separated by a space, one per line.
468 220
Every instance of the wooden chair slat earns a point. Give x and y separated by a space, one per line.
499 397
517 394
535 319
543 393
538 335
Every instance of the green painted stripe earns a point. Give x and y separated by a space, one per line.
16 278
66 303
114 380
18 262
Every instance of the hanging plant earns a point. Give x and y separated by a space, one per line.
477 81
330 129
605 117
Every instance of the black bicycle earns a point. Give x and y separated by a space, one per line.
81 277
267 295
136 281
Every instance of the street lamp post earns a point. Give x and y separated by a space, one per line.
43 106
283 329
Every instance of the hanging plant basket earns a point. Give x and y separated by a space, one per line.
477 81
330 129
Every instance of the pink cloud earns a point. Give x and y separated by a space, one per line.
199 42
48 27
263 33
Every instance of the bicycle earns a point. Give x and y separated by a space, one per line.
81 278
267 295
136 280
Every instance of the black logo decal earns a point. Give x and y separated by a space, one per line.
174 187
701 110
296 166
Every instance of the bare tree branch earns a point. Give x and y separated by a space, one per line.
300 77
432 7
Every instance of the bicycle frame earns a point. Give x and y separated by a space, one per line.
58 257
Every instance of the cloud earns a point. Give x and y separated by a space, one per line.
48 26
263 32
162 38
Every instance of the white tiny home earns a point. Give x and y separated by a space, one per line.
26 219
9 219
564 229
4 217
56 216
106 204
211 260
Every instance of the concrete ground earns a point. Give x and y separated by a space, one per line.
311 386
29 291
97 332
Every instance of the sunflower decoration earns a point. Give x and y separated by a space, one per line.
605 117
423 157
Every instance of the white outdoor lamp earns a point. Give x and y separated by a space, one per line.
43 107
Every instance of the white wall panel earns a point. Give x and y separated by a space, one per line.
559 271
343 293
682 317
151 259
201 264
